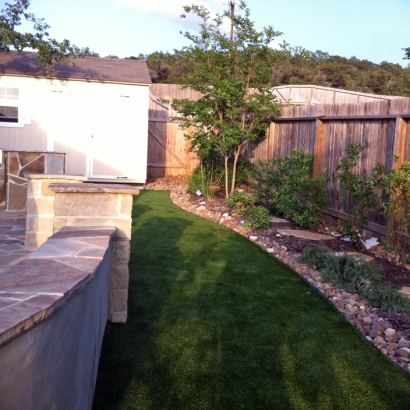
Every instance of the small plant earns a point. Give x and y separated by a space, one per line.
206 180
258 217
355 275
286 187
244 204
397 209
361 191
238 196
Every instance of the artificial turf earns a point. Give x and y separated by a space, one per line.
217 323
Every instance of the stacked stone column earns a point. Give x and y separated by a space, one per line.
101 205
40 207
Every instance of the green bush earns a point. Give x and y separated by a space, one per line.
195 180
258 217
240 202
361 191
355 275
205 179
397 208
243 167
286 187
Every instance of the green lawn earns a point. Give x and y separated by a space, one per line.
217 323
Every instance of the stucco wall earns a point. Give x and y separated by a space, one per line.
49 356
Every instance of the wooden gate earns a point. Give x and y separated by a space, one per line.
168 150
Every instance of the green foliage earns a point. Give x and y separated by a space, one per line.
229 116
244 167
205 179
296 65
397 208
285 186
361 191
50 51
241 202
258 217
355 275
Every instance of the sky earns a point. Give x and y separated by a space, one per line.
375 30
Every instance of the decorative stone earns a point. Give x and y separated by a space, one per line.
403 352
305 234
389 332
37 166
276 220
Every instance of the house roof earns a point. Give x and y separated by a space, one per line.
25 63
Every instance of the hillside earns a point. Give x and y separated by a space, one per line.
300 66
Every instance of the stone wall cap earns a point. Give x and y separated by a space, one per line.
78 177
38 286
94 188
33 151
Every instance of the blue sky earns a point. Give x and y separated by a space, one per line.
375 30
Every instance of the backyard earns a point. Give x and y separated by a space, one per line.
216 323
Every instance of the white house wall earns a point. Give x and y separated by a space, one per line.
102 127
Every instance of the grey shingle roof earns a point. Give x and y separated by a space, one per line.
26 63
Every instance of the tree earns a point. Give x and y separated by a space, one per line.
233 74
406 53
50 51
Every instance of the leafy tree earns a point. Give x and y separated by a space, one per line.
406 53
233 74
50 51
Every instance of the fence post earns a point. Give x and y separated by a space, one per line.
188 152
271 139
399 145
318 154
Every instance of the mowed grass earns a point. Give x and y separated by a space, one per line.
217 323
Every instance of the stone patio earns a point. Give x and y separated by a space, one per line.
12 231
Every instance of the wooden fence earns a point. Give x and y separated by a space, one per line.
328 130
168 150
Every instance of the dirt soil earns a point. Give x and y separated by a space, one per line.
392 273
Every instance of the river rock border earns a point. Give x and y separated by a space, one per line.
375 329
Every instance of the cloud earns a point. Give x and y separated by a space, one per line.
171 10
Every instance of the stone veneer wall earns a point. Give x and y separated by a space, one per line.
19 165
86 204
54 307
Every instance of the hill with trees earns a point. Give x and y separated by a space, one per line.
296 65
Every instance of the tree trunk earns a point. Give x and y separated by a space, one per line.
235 160
226 158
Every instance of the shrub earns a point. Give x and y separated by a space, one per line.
240 202
361 191
397 209
243 167
206 180
258 217
354 275
286 187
